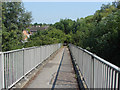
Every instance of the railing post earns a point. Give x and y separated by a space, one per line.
23 62
92 72
3 73
119 81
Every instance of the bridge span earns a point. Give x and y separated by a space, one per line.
56 66
57 73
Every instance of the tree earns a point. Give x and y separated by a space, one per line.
65 25
14 20
14 16
35 24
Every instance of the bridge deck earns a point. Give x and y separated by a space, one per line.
57 73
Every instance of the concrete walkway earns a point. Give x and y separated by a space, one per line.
57 73
66 76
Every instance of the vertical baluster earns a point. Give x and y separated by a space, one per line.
119 81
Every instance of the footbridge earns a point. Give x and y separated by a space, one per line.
56 66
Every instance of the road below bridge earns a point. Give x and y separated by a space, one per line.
57 73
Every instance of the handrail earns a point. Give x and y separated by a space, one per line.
24 49
97 72
100 59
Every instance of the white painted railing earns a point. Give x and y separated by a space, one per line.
97 72
15 64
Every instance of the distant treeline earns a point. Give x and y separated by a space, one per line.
98 33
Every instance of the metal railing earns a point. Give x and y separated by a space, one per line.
15 64
97 72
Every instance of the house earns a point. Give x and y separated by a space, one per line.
32 29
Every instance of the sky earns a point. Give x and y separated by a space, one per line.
51 12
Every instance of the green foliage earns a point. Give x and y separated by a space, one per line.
11 40
98 33
49 36
14 16
14 20
65 25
